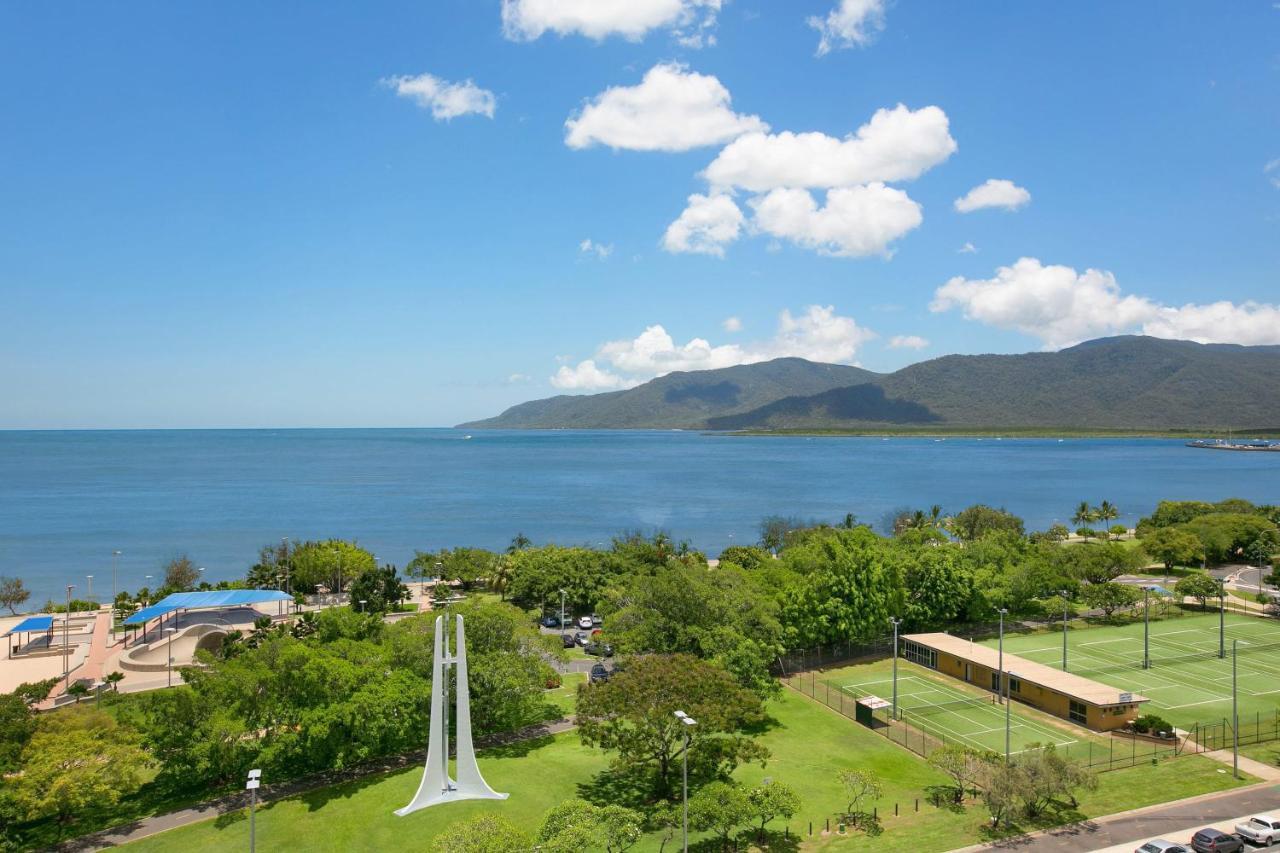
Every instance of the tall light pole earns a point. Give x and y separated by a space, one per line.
1007 720
1063 593
147 600
1235 717
115 565
562 611
66 639
689 723
1222 617
255 778
200 576
896 621
1000 676
1146 627
89 589
169 651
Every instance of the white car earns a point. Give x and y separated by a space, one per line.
1260 829
584 622
1162 846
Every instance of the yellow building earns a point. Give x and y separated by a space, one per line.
1073 697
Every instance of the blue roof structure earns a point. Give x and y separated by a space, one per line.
31 623
203 600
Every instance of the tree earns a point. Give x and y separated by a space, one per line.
577 825
860 786
1003 786
1106 511
1198 585
1173 546
500 579
17 725
980 520
380 589
326 563
620 826
518 543
35 692
963 765
538 575
13 593
720 808
1110 596
78 760
775 531
1084 515
467 565
772 800
939 587
114 679
304 626
484 834
180 573
633 715
79 690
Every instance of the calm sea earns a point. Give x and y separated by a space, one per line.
67 499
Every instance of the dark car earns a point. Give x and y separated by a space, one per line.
568 641
550 622
598 649
1162 846
581 638
599 673
1215 841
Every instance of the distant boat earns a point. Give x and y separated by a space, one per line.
1256 444
465 437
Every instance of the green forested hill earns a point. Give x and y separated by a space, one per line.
1111 383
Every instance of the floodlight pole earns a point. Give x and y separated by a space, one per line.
115 564
1007 704
1146 627
1063 593
562 611
1235 717
1222 618
254 780
1000 665
66 648
689 723
896 622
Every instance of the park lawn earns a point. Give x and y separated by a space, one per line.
1268 753
565 697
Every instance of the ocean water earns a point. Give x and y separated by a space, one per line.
67 499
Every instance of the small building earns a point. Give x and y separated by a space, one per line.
1098 706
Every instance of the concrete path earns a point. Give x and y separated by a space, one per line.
1174 821
93 667
1247 765
269 793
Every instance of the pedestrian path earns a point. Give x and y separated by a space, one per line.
94 665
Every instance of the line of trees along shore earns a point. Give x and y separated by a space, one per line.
329 690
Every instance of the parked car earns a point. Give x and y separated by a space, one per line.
1260 829
1211 840
1162 846
596 620
568 641
599 673
584 622
550 622
598 649
581 638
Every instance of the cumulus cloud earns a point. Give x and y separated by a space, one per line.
817 333
599 250
446 100
908 342
854 222
1061 307
732 324
968 249
671 109
688 20
993 192
852 23
897 144
706 226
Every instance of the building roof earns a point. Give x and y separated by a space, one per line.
31 623
203 600
1076 686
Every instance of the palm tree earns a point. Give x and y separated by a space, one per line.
1107 512
518 543
114 679
1084 514
500 578
78 690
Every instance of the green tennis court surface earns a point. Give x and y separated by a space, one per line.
1187 683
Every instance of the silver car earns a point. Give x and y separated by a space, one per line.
1162 846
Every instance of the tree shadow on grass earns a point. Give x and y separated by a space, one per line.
318 798
1060 820
766 724
518 748
614 787
943 797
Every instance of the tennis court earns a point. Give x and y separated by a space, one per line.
951 714
1187 682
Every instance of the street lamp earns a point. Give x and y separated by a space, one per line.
66 639
1000 665
89 589
169 651
147 600
201 571
1065 603
896 622
255 778
1222 617
1235 717
1146 627
115 564
1007 706
363 602
689 723
562 593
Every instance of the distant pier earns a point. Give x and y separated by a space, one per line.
1220 444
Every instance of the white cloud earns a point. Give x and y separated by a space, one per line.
993 193
706 226
908 342
599 250
895 145
854 222
732 324
672 109
1272 171
1061 307
852 23
446 100
585 376
968 249
526 20
518 379
817 333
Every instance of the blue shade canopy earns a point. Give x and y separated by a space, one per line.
202 600
31 623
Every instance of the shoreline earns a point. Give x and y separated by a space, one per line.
980 432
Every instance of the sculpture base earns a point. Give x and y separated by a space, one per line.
452 796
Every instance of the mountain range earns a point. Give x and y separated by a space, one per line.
1118 383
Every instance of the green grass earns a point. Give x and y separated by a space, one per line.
1187 683
810 744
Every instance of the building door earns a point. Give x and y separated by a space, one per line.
968 672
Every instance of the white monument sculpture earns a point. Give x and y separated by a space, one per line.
437 787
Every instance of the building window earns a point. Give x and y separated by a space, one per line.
917 653
995 682
1078 712
1015 685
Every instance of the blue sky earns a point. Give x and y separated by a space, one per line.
246 214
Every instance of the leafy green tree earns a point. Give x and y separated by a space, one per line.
1110 596
861 787
980 520
1198 585
79 690
720 808
964 766
538 575
13 594
518 543
771 801
1173 546
483 834
180 573
576 825
380 589
633 715
850 587
1003 786
305 625
325 563
35 692
939 587
1084 514
745 556
1227 536
1106 511
114 679
1096 563
77 760
500 578
620 826
776 530
17 725
346 623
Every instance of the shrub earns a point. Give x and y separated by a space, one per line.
1151 723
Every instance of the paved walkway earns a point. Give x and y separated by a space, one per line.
94 665
156 824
